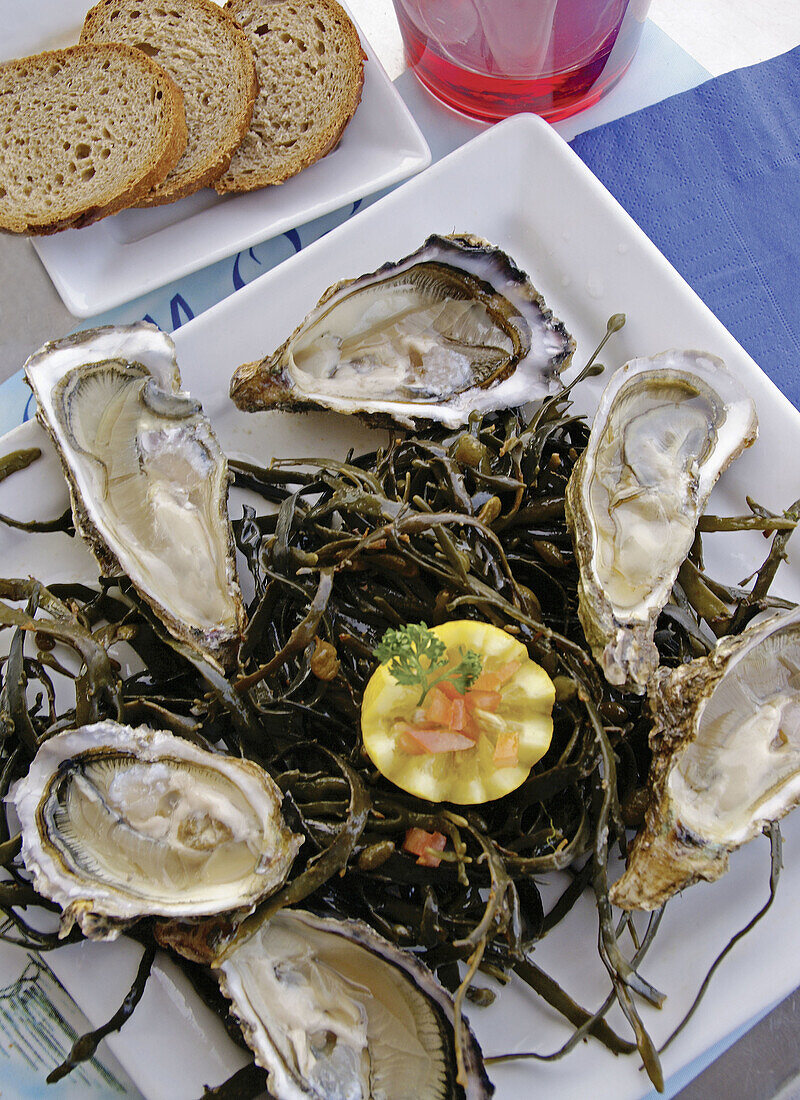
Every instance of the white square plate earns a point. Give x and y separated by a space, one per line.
520 186
123 256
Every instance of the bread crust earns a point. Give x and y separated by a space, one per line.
332 133
171 144
95 29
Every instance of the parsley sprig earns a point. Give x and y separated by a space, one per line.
416 656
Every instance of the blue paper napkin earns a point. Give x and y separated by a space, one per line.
713 177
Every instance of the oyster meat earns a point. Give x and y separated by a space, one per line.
333 1011
726 759
147 479
665 429
452 328
121 823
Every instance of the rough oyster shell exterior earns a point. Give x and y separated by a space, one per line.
332 1009
120 823
726 759
453 327
147 479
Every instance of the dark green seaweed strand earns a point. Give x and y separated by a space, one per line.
18 460
766 574
84 1047
330 861
644 1043
610 950
706 603
30 937
21 460
22 896
237 707
622 974
13 701
103 687
10 849
248 1082
733 593
568 898
585 1023
496 914
613 325
41 527
773 831
8 772
709 523
495 917
300 638
358 477
549 989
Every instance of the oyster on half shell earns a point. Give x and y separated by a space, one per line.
120 823
147 479
665 429
452 328
726 759
333 1011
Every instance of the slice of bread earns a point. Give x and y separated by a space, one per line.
84 132
209 57
310 69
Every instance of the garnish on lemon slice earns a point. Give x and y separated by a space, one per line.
458 713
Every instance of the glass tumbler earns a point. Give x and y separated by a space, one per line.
494 58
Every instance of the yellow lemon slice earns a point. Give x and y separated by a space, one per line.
480 747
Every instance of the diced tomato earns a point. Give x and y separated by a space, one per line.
493 681
487 681
470 727
483 700
458 714
409 744
416 841
429 859
424 844
430 739
438 708
506 751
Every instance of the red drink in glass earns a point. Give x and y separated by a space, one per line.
494 58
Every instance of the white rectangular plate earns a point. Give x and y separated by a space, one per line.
123 256
521 187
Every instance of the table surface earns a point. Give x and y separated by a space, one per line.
721 35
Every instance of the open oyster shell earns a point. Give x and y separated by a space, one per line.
121 823
453 327
726 759
333 1011
147 479
665 429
